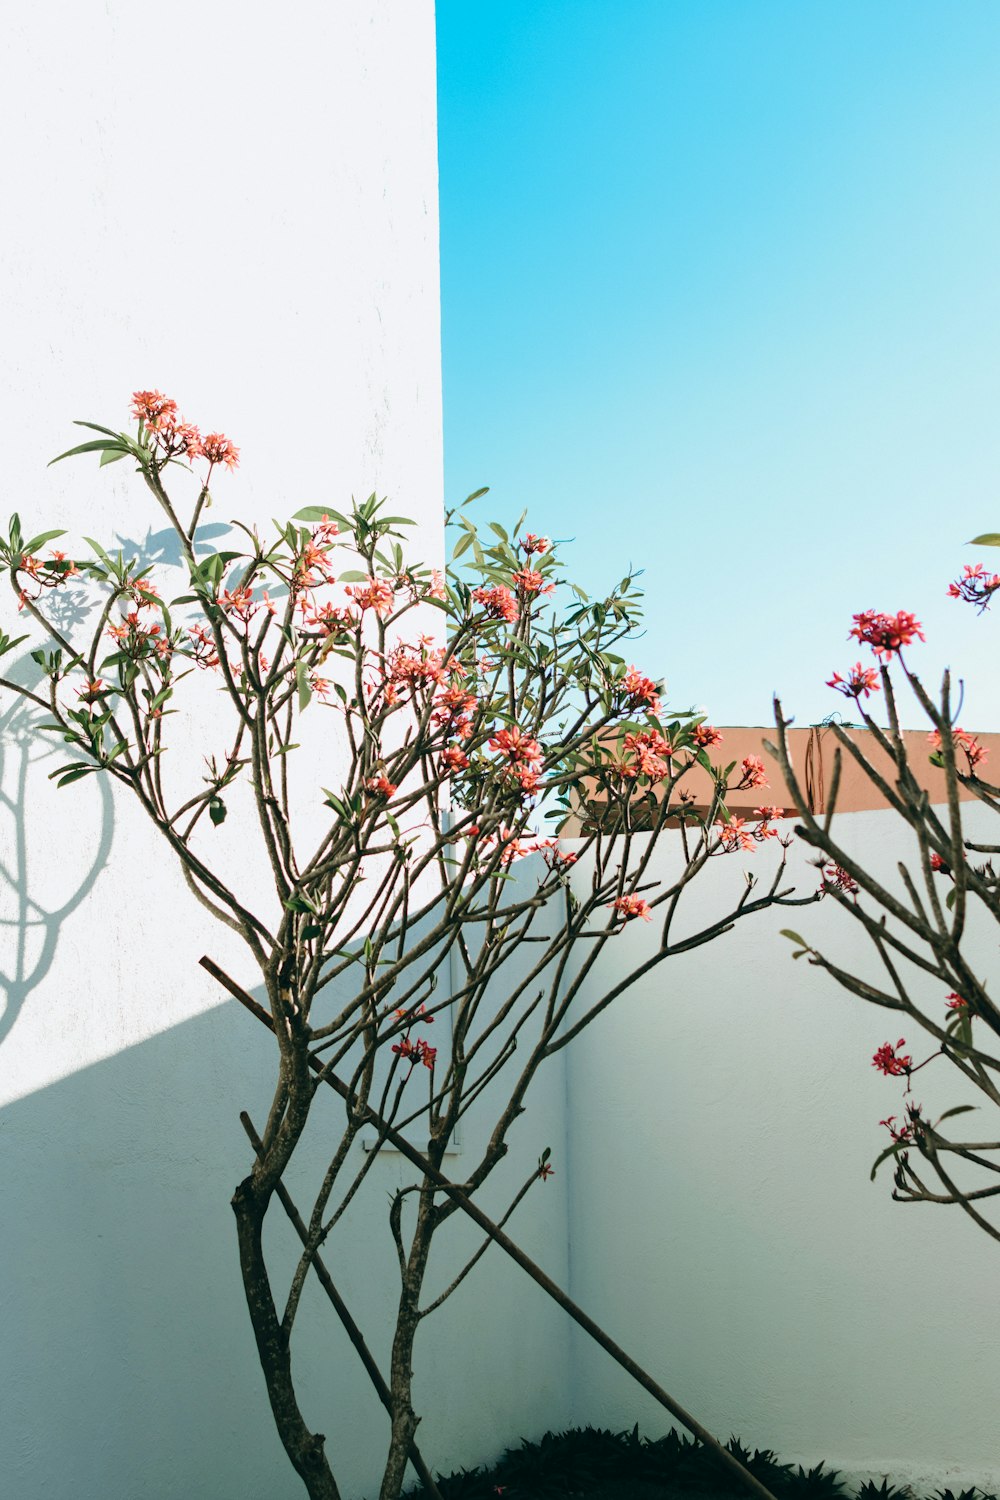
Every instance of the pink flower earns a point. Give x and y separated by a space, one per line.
437 589
416 1052
329 619
954 1001
905 1133
629 907
735 836
640 691
375 594
313 560
518 747
532 543
651 754
218 449
706 735
453 758
499 603
381 786
887 1061
938 865
861 682
529 581
555 857
151 407
975 752
416 664
885 633
240 602
180 438
835 878
453 709
975 586
769 814
752 770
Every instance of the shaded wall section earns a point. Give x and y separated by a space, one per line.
128 1364
723 1121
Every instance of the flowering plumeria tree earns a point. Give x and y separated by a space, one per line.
921 929
460 713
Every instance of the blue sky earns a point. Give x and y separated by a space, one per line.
721 299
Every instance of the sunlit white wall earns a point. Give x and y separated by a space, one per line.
237 205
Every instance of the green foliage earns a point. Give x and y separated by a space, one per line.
597 1464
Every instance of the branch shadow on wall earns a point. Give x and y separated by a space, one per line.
30 927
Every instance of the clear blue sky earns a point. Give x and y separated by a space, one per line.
721 299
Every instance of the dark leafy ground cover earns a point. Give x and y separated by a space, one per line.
594 1464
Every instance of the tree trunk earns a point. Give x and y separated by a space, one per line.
404 1418
304 1448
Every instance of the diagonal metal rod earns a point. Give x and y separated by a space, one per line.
370 1117
343 1312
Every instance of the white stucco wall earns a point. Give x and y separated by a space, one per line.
723 1122
238 206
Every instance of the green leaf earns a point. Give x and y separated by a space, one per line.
96 546
217 811
112 457
892 1150
300 903
793 937
72 772
312 931
353 576
476 495
98 445
988 539
315 513
302 683
959 1109
462 545
41 539
96 427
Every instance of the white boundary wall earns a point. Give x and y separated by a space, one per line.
723 1121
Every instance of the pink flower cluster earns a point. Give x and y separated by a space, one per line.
630 907
974 751
975 586
752 770
415 1052
861 682
46 573
905 1134
176 438
522 757
640 692
513 847
889 1061
375 594
886 633
735 837
498 603
836 878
